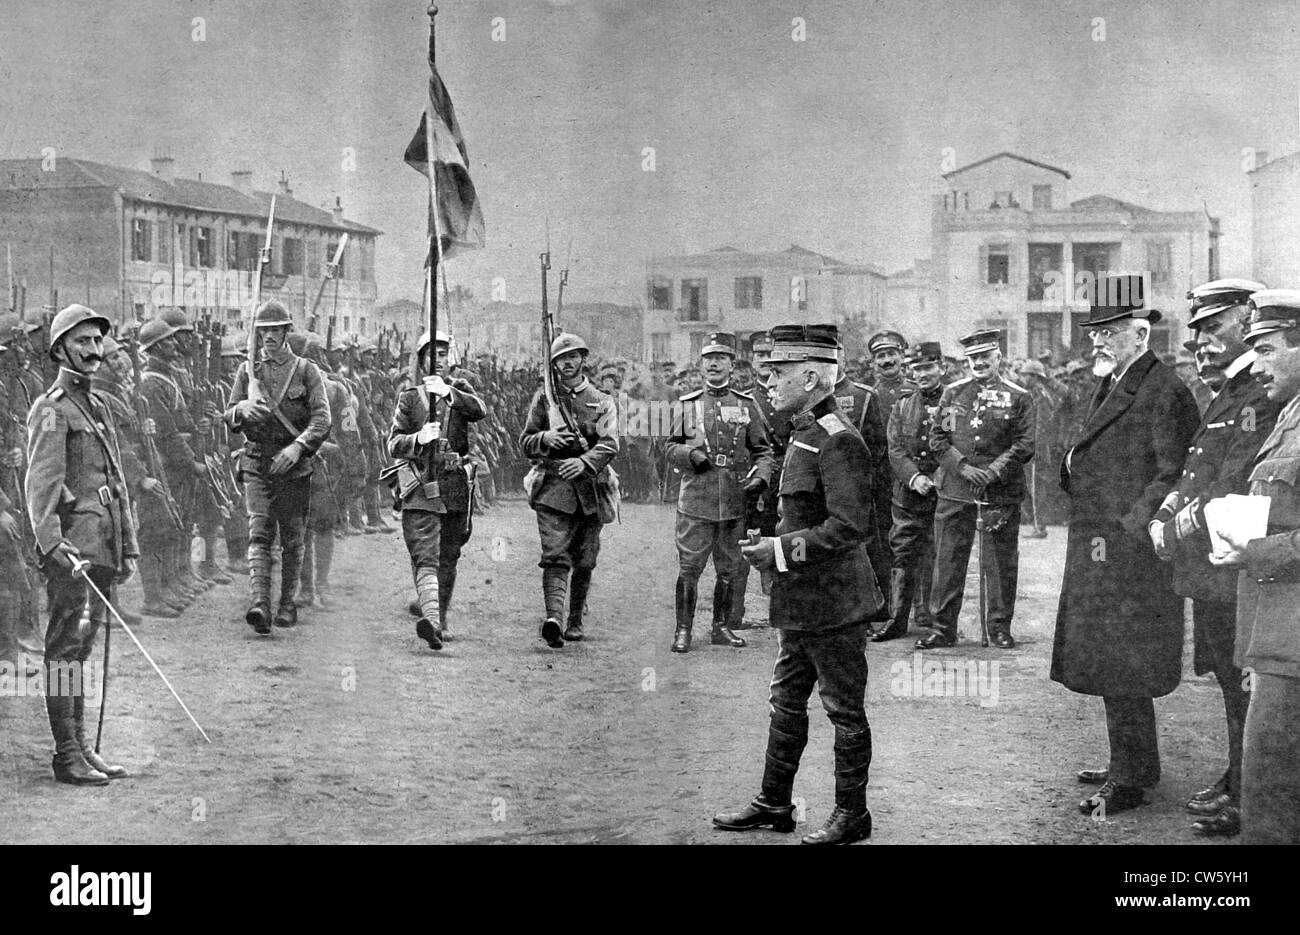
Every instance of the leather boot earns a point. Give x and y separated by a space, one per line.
374 516
286 615
685 600
900 605
324 560
579 585
88 748
307 576
209 567
69 763
426 590
259 588
555 592
155 603
446 585
722 635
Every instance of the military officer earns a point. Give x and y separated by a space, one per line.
914 496
984 439
823 593
760 508
1219 462
569 486
720 446
887 349
1268 591
284 418
433 480
81 511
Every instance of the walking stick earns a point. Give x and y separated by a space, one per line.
979 564
79 567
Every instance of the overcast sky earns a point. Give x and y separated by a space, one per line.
760 141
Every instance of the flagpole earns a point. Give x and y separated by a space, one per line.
435 235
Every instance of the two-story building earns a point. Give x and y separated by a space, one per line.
1275 220
1010 250
689 296
129 243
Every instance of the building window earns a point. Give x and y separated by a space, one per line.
998 265
1159 260
1045 276
695 299
1004 200
347 323
291 264
361 326
141 237
659 291
697 344
1093 260
242 250
659 346
182 257
204 255
1044 333
367 248
313 259
749 292
1042 197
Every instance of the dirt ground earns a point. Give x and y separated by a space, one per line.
348 729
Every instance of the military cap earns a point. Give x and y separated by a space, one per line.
177 319
927 352
977 342
760 342
72 316
720 342
884 340
1213 297
154 330
798 343
1273 310
1118 297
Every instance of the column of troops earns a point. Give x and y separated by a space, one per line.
859 503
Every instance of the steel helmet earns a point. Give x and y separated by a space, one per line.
565 343
154 330
272 314
72 316
177 319
440 338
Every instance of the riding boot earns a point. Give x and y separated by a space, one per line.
555 591
307 577
722 635
426 590
685 599
286 614
324 559
88 748
579 585
259 588
69 763
901 585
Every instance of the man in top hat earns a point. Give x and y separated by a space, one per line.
984 440
80 510
1267 639
1220 457
823 594
719 444
1119 623
914 492
887 349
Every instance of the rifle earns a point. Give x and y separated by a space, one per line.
557 414
263 261
331 272
153 461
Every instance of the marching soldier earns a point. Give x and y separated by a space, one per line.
434 481
569 487
370 396
984 439
887 349
1220 457
823 593
283 426
80 511
760 508
723 452
912 427
233 354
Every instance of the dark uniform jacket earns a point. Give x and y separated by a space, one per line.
987 424
294 386
1268 590
824 578
445 459
911 445
888 392
598 425
1220 457
174 429
726 425
1119 624
75 486
862 408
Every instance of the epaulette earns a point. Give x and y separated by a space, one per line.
1014 386
832 423
691 395
55 393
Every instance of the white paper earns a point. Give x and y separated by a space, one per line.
1245 517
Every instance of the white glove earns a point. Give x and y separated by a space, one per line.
428 433
435 386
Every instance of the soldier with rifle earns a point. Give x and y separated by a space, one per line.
19 628
432 480
80 512
371 382
233 356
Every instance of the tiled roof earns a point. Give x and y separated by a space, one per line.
182 193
